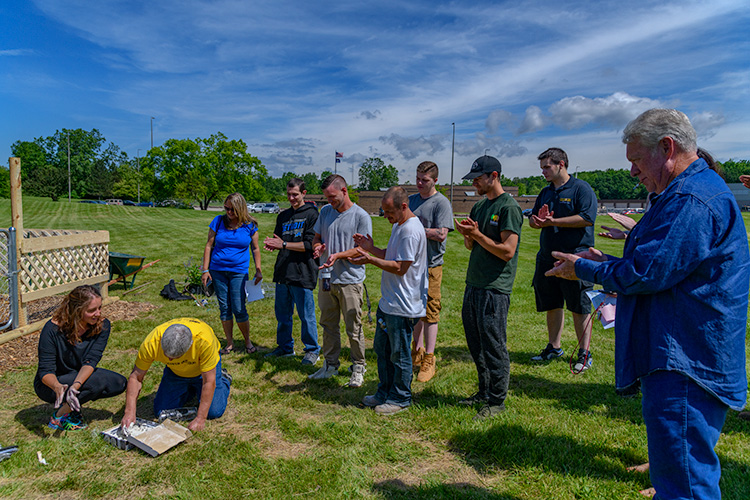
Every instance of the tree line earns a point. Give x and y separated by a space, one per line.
204 170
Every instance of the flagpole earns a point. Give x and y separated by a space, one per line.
335 164
453 149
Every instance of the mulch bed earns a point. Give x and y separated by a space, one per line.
22 351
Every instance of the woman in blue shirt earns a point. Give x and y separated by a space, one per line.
226 261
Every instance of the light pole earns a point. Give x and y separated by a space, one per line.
577 167
152 132
69 167
138 162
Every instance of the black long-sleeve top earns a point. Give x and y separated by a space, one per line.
58 356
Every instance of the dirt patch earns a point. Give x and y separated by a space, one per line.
433 464
23 350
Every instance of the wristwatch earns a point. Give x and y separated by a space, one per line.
283 245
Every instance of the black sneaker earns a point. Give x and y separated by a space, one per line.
75 422
474 399
584 361
488 411
548 353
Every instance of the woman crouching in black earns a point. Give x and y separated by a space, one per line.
70 346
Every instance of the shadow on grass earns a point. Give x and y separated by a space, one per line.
36 418
513 447
578 396
397 489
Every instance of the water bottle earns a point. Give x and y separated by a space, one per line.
325 278
178 414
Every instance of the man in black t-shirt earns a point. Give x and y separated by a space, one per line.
565 211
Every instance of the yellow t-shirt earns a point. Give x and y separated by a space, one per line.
202 356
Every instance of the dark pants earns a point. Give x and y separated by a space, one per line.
101 384
392 345
175 391
485 315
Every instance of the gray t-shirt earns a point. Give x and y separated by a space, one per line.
433 212
406 295
337 230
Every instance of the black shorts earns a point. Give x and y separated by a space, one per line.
552 293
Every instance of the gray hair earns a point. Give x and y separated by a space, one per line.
176 340
655 124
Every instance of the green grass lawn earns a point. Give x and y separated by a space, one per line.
562 436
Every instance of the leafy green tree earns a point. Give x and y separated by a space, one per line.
374 174
206 169
44 164
733 169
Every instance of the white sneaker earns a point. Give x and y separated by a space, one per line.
358 376
324 372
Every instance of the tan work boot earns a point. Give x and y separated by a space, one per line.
416 357
427 370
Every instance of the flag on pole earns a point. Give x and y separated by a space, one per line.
338 160
339 155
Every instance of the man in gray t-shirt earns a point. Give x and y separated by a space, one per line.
337 223
436 214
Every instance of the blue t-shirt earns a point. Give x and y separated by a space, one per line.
231 247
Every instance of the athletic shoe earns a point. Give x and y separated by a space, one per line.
744 415
474 399
324 372
371 401
358 376
389 409
75 422
427 370
548 353
488 411
310 358
416 357
58 423
226 375
279 353
584 361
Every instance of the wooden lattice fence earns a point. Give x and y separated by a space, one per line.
55 261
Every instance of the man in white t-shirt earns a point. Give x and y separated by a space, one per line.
403 289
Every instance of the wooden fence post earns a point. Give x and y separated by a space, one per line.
16 212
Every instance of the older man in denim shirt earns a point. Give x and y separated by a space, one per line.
682 287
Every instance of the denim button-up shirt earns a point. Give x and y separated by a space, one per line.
682 287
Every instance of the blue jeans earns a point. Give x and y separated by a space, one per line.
174 391
392 344
683 424
287 296
230 292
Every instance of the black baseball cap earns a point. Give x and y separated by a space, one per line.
483 165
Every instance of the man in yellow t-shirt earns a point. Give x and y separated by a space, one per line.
190 351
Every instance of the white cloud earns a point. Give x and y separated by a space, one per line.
533 121
497 118
614 111
706 123
411 147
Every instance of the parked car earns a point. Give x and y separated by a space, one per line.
146 204
271 208
527 212
129 203
255 208
114 201
95 202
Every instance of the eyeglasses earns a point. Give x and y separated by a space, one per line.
228 209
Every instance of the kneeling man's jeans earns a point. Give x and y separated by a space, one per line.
392 344
683 423
174 391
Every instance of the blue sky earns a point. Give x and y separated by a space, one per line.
299 80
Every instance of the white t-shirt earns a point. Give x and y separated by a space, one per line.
406 295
